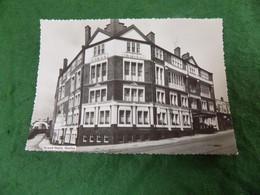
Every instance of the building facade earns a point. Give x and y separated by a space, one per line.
223 115
123 87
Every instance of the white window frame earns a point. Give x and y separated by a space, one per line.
204 105
95 89
174 100
172 116
131 87
184 104
89 111
91 138
142 110
104 109
78 79
162 111
130 77
159 76
158 53
99 137
159 99
186 118
102 78
99 49
136 45
211 107
72 85
123 108
106 136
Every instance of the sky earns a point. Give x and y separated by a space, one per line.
60 39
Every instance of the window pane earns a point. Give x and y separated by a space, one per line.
127 94
98 71
103 95
102 117
87 118
138 48
141 95
128 46
140 69
92 118
92 96
140 117
133 46
121 117
134 94
103 48
145 117
104 69
92 72
98 96
133 69
107 117
128 117
127 66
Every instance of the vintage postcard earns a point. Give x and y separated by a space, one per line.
155 86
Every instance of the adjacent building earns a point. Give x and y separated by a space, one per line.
223 114
123 87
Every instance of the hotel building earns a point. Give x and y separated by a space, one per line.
123 87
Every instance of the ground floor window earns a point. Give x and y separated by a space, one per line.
98 138
186 120
106 138
175 119
85 138
89 118
91 138
143 117
124 117
161 119
104 117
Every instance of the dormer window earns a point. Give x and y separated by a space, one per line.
99 49
133 47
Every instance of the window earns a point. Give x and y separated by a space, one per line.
176 81
106 138
134 70
98 138
99 49
175 119
133 47
159 53
104 117
78 80
194 104
98 72
161 118
124 117
71 102
97 95
69 118
89 118
159 73
135 94
205 90
204 105
72 84
176 62
63 91
91 138
186 119
184 101
142 117
192 86
173 99
204 75
211 106
160 97
85 138
77 99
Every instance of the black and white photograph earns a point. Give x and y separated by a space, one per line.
134 86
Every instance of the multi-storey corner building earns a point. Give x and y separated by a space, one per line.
123 87
223 114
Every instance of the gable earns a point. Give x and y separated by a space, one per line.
132 34
99 37
192 61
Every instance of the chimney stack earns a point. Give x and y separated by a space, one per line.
151 37
60 71
87 34
177 51
65 63
185 56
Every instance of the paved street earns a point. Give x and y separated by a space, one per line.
218 143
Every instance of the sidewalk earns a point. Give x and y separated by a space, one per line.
125 146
